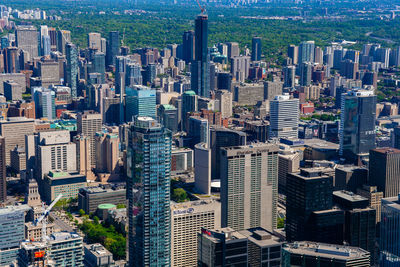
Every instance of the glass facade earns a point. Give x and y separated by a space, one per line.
149 164
390 233
72 68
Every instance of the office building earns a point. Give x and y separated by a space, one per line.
33 253
99 65
350 177
305 73
26 37
3 173
60 182
306 51
272 89
168 116
384 170
256 49
307 191
113 44
202 168
111 109
349 69
200 72
248 94
188 46
54 152
140 101
222 137
288 162
88 124
389 244
133 74
307 253
149 158
293 54
46 45
374 197
357 123
89 198
225 102
66 249
284 117
233 49
222 247
187 220
8 130
243 204
49 72
95 255
198 131
12 225
45 105
13 90
63 37
182 160
189 104
11 60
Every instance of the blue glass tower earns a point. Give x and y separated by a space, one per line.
112 47
46 43
140 101
200 71
389 245
148 193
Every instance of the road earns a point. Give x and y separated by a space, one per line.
60 224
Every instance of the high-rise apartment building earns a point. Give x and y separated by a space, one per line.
357 123
305 73
66 249
225 102
284 118
249 186
94 40
293 54
168 116
233 49
256 49
384 170
83 156
240 66
189 104
107 152
71 78
149 164
289 73
306 51
3 174
272 89
200 73
63 37
88 124
187 220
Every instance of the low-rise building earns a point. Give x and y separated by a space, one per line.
89 198
98 256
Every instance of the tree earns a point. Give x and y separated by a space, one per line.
179 195
81 212
281 223
96 219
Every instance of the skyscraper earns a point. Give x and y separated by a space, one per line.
46 45
357 123
140 101
63 37
45 103
284 119
3 177
188 43
200 72
149 164
94 40
72 68
249 186
305 73
26 38
112 47
384 170
389 244
189 104
256 49
306 51
306 192
289 76
293 53
168 116
88 124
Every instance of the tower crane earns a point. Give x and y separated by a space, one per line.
44 215
202 8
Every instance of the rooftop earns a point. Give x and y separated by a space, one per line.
63 236
349 196
326 250
261 237
11 209
387 150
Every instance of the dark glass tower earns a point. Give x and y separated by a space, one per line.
72 68
200 72
357 129
188 46
256 49
148 193
112 47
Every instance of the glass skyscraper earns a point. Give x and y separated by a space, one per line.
72 67
256 48
389 245
140 101
200 79
112 47
357 123
148 193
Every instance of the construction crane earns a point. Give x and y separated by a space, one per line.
202 8
44 215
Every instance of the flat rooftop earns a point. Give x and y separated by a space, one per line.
11 209
349 196
261 237
63 236
326 250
